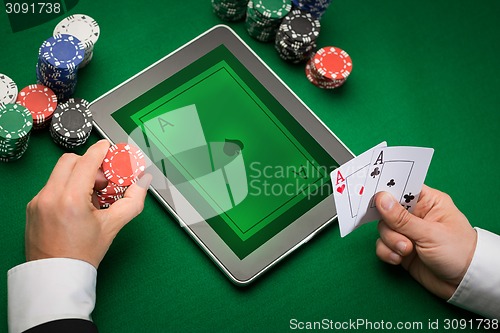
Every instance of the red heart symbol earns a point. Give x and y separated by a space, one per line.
341 189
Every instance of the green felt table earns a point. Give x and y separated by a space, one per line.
425 73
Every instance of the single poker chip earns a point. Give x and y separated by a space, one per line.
15 122
112 189
83 27
333 63
63 52
123 164
39 100
103 205
8 89
109 198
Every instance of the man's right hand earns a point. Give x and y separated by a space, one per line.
435 244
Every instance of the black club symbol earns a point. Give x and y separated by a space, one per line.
409 197
375 172
391 183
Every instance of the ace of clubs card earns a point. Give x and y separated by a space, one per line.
400 171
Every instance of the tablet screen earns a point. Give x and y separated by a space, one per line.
226 144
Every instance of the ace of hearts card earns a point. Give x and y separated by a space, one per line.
348 181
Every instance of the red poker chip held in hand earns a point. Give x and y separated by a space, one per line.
123 164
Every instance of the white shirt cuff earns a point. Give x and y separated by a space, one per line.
50 289
479 290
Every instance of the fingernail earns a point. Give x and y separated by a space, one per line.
386 202
394 258
401 247
145 181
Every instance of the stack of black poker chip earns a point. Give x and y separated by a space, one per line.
71 123
230 10
296 36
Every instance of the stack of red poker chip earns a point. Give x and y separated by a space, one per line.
329 68
123 164
110 194
41 101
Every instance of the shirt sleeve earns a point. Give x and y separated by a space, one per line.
479 290
50 289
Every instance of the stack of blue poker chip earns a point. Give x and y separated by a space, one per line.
83 27
315 7
58 61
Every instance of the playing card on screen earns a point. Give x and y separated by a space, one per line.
348 187
398 170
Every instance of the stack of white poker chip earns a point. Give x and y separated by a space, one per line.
83 27
8 90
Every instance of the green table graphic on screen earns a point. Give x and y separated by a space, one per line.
229 155
215 170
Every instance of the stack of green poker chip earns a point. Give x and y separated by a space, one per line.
264 18
230 10
16 123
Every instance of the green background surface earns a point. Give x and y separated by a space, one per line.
425 73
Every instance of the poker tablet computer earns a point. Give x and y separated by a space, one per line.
236 157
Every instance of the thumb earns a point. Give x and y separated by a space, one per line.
399 219
124 210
